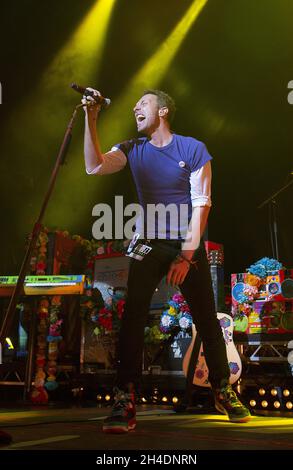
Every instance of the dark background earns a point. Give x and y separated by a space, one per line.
229 79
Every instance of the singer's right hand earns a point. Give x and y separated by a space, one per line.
91 106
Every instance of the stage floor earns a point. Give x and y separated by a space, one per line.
79 428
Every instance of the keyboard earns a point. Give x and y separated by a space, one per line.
44 285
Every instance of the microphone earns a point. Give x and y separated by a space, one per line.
104 102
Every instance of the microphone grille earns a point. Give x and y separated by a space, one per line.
107 102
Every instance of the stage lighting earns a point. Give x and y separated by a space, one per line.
262 391
82 52
150 74
9 342
264 404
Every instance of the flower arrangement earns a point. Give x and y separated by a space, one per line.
92 248
49 335
38 262
153 335
39 394
53 338
105 315
257 273
177 315
262 267
254 279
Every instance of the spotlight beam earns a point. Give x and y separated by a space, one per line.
149 76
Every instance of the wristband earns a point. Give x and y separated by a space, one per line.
180 257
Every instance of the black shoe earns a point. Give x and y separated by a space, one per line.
122 418
227 402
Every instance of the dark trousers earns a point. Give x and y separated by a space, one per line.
144 276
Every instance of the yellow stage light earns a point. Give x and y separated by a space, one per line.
46 110
83 51
175 400
264 404
262 391
107 397
274 392
252 403
9 342
289 405
150 75
164 399
286 392
277 404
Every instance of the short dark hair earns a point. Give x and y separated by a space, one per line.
163 100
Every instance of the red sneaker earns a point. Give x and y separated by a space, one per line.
122 418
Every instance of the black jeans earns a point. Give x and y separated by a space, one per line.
143 278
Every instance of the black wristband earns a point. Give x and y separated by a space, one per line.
180 257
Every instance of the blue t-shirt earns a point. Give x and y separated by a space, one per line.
162 176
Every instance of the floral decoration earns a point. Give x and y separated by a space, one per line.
39 394
153 334
177 315
53 338
38 262
92 248
255 277
105 315
262 267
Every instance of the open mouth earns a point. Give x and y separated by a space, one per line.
140 117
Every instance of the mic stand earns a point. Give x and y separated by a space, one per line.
9 316
273 218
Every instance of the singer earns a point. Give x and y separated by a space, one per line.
167 168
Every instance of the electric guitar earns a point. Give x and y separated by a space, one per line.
201 371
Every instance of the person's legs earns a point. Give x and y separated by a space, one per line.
143 278
198 292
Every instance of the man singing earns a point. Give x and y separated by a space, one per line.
167 168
